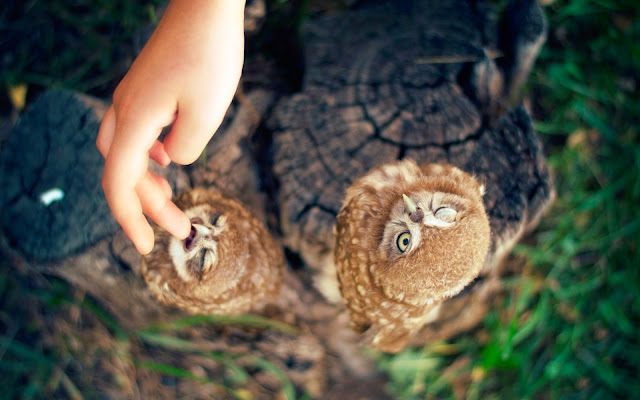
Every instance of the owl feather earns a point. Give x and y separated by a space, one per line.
407 238
229 264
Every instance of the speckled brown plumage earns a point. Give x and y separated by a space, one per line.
398 259
229 265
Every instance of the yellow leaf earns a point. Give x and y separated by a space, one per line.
244 394
478 374
18 95
577 138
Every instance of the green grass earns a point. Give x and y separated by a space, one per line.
565 326
45 344
79 44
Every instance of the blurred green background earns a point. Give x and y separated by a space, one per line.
565 325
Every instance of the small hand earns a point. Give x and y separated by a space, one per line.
186 74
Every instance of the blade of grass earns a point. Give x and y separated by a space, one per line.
248 320
22 350
170 342
287 387
240 375
106 318
178 372
171 370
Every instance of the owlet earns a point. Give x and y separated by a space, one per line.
408 238
229 264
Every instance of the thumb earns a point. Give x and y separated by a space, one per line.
106 132
201 113
190 133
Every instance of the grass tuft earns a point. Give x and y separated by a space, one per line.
248 320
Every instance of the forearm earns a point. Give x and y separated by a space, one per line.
201 19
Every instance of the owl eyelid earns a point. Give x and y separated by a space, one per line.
214 218
447 214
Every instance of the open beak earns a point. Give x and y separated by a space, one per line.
202 230
197 230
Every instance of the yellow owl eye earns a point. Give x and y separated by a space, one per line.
446 214
403 241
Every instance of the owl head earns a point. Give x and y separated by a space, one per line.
407 237
433 237
211 260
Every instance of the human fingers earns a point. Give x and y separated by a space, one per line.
106 132
158 154
134 135
124 204
157 206
126 208
164 185
118 185
189 135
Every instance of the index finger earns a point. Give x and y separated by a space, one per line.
125 167
119 191
125 208
107 132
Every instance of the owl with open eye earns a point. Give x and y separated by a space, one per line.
407 238
228 265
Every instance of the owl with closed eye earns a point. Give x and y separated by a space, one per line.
228 265
408 237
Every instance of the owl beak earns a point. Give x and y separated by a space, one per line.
409 205
202 230
197 231
411 208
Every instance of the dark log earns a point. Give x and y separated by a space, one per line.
50 207
72 235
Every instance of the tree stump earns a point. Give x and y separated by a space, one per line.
431 84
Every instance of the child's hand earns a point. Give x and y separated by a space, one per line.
187 74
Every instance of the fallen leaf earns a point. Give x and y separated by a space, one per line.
18 95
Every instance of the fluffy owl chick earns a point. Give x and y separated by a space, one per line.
229 264
407 238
